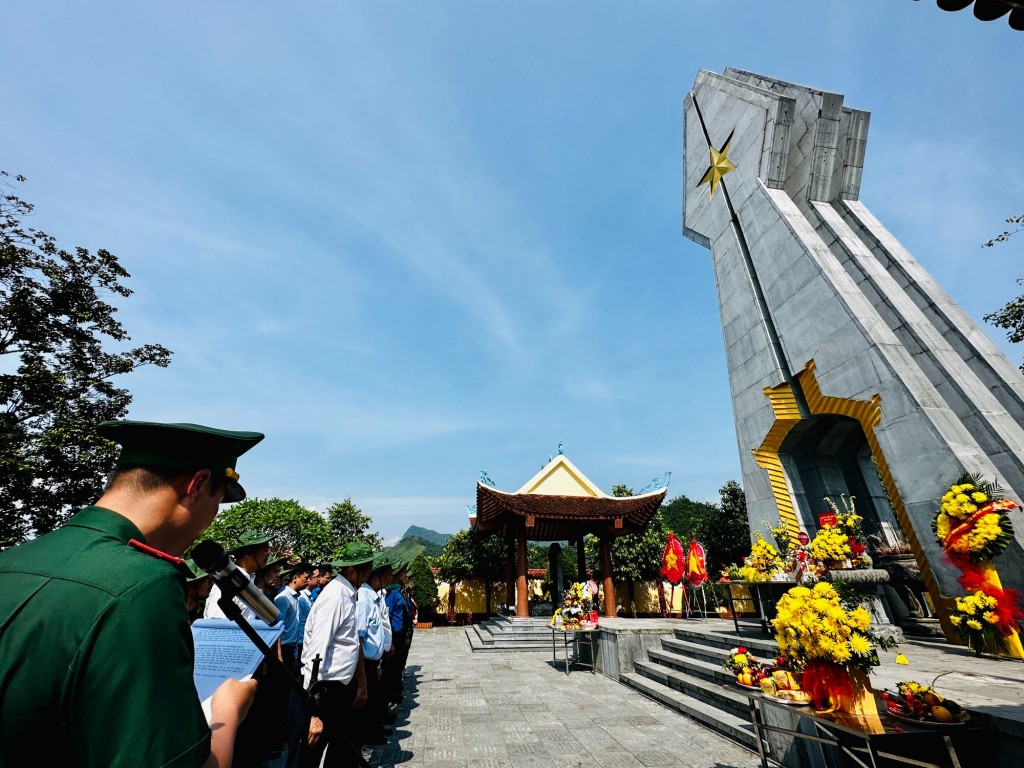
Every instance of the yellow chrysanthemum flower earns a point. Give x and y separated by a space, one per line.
859 644
974 624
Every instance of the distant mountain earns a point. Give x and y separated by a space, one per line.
418 544
427 535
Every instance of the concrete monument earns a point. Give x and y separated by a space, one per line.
851 370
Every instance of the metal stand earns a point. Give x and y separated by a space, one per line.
578 637
828 733
227 604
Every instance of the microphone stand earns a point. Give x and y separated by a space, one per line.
227 604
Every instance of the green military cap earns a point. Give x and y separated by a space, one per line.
197 572
355 553
275 563
182 446
249 540
381 561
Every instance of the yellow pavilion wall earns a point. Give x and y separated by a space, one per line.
471 598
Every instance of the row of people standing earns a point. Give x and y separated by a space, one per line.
359 631
372 598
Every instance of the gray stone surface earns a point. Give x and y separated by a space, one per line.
805 272
517 710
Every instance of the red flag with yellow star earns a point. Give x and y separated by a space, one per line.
696 571
673 561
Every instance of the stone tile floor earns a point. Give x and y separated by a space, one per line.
516 710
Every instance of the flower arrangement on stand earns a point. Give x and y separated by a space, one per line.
840 543
830 546
852 524
976 620
577 605
973 527
763 562
833 646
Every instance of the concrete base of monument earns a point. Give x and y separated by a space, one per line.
679 663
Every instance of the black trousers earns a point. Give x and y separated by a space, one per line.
341 727
370 714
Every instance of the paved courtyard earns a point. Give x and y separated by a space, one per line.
494 710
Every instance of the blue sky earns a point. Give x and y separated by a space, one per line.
410 241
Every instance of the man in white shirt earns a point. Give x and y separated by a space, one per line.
331 633
250 555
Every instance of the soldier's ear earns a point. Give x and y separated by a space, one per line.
198 482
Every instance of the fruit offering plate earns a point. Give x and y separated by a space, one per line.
925 723
787 702
748 687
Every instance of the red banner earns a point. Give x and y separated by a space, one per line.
696 572
672 561
829 518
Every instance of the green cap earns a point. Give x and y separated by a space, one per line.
181 446
382 561
355 553
249 540
196 572
274 564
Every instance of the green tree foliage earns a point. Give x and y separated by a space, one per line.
635 556
721 528
57 381
536 555
292 527
469 556
1017 221
726 536
686 517
348 523
426 588
1011 319
621 490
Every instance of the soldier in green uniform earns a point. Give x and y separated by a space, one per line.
95 649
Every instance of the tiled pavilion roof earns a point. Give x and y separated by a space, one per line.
557 518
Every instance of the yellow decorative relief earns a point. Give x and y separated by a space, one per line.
868 413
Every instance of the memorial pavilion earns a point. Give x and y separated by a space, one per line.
560 503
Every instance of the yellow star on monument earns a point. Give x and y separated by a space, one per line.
719 166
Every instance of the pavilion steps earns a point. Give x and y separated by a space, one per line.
504 633
686 675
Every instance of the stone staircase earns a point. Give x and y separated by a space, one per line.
686 675
504 633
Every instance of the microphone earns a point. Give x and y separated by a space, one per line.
211 557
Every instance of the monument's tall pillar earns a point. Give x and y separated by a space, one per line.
851 370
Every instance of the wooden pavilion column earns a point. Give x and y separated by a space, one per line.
606 570
510 572
522 585
581 560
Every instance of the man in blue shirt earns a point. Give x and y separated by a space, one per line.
326 573
372 635
287 603
401 631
